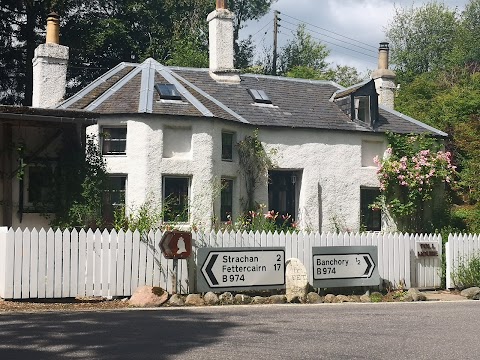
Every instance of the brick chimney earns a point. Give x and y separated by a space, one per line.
220 27
384 78
50 67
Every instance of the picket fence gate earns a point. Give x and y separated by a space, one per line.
56 264
459 249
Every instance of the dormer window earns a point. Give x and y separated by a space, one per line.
259 96
362 108
168 92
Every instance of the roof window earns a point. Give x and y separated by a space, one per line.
259 96
168 92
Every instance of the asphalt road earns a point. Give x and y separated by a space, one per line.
429 330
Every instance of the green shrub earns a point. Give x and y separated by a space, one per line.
467 274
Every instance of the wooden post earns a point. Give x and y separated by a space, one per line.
6 169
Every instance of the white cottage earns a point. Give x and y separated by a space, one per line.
169 135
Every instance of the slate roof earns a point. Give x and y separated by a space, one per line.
296 103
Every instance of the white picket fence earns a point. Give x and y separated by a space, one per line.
459 249
48 264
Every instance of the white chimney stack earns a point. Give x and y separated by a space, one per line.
221 53
50 67
384 78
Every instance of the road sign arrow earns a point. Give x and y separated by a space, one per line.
369 265
208 269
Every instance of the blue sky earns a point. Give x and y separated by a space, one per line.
359 22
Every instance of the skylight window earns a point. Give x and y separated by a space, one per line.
259 96
168 92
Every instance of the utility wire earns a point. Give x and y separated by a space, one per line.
261 29
331 43
319 27
332 37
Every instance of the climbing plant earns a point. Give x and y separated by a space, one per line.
254 165
413 169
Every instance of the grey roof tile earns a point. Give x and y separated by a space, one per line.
296 103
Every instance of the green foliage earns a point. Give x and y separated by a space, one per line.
467 274
422 39
303 51
254 164
81 205
409 176
260 220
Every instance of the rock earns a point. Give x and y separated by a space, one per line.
296 281
242 299
314 298
259 300
476 297
408 298
148 296
340 299
277 299
365 298
226 298
354 298
416 295
176 300
329 298
470 293
211 298
194 300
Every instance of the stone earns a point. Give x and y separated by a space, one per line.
365 298
148 296
340 299
277 299
416 294
259 300
194 300
226 298
314 298
176 300
354 298
242 299
296 281
329 298
471 292
211 298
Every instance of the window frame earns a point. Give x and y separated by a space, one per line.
365 106
171 92
369 217
224 145
186 203
226 209
41 204
112 140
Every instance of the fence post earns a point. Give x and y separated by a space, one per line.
6 264
448 259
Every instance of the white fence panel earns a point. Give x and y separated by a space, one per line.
459 249
67 264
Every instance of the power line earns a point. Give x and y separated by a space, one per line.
261 29
343 41
331 43
319 27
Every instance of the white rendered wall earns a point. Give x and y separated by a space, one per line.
330 163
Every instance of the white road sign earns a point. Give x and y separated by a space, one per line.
342 266
235 268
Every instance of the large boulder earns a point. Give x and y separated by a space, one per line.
242 299
296 281
471 292
416 295
210 298
148 296
194 300
226 298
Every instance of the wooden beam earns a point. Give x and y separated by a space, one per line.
7 180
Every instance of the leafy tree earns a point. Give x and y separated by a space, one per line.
244 11
422 39
466 50
303 51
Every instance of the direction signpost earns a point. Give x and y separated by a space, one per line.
344 266
223 269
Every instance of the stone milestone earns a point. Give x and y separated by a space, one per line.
296 281
148 296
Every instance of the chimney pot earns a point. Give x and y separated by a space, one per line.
53 28
221 4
